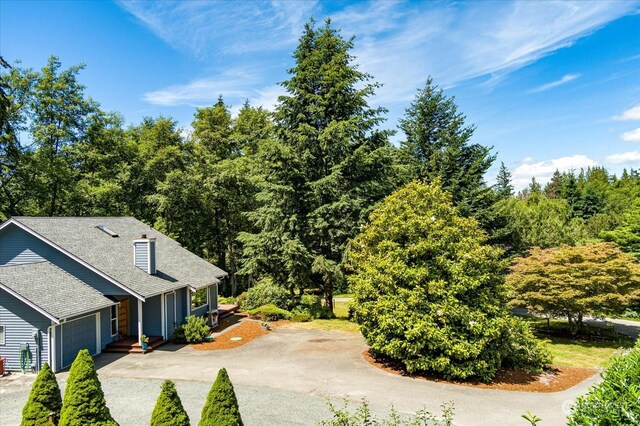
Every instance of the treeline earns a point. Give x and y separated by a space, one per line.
276 194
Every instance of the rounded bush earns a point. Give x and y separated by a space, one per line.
269 313
266 292
300 317
311 306
196 329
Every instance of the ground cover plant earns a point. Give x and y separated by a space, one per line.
83 402
362 416
169 410
44 399
616 400
428 291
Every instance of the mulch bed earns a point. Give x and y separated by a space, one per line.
247 331
558 379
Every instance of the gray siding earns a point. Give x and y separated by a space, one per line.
170 312
213 296
141 255
181 304
20 320
105 327
152 257
151 316
77 335
18 246
201 311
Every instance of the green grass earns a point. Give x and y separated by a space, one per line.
335 324
343 296
341 310
584 353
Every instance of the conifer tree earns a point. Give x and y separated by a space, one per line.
44 399
627 235
503 188
169 410
438 143
221 407
84 402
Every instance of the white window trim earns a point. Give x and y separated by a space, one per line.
205 303
3 336
117 305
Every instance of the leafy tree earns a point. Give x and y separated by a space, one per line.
44 399
438 144
83 402
429 292
221 408
538 221
627 235
328 166
614 401
596 279
169 410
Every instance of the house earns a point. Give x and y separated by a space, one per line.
68 283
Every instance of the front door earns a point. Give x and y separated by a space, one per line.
123 318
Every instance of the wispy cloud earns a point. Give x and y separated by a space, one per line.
564 80
543 170
631 114
399 43
631 135
630 157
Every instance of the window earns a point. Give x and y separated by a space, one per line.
114 320
1 334
199 298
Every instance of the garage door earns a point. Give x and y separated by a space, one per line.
76 335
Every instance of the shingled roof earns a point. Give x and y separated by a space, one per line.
51 290
176 267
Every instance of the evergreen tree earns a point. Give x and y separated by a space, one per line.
83 402
554 188
169 410
44 399
328 166
627 235
503 187
438 144
221 407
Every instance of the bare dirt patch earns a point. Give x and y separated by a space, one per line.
237 336
555 380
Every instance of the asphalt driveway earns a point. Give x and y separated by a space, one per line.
285 378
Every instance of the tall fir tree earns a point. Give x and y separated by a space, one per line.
221 407
329 165
84 402
503 187
44 400
438 144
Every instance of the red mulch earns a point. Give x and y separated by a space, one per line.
558 379
247 329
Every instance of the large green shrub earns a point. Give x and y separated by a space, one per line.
169 410
195 329
312 306
83 402
266 292
221 407
269 313
44 399
429 292
616 400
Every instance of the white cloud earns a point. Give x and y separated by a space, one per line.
399 43
543 170
631 135
631 157
564 80
631 114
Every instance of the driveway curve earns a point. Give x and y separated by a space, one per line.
286 376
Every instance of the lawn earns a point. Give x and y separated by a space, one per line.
339 323
582 351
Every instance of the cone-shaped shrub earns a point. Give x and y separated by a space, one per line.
221 408
83 402
44 399
169 410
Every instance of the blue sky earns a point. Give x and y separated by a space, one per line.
548 85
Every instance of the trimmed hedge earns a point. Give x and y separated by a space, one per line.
616 400
44 398
221 408
83 402
169 410
269 313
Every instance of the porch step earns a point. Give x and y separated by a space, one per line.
130 345
226 310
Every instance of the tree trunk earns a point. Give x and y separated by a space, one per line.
232 270
328 295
